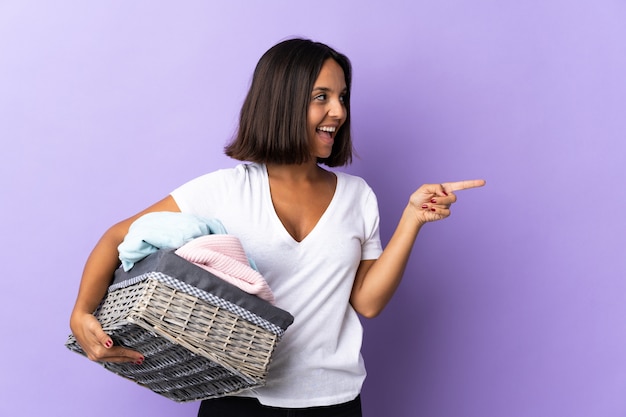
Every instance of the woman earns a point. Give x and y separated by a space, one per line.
313 234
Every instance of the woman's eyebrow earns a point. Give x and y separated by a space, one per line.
326 89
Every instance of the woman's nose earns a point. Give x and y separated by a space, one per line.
337 109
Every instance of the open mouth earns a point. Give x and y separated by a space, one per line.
326 131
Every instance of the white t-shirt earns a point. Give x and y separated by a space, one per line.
318 361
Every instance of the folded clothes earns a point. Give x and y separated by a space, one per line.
223 256
163 230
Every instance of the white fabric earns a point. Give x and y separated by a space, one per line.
318 361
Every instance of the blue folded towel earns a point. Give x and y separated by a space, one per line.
163 230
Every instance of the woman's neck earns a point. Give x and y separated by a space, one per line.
308 172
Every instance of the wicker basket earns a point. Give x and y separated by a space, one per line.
201 337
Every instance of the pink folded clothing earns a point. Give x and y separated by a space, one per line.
223 256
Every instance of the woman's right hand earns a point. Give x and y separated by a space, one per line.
98 345
99 269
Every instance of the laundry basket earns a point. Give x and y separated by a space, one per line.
201 336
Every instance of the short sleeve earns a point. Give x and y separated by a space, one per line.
371 247
204 195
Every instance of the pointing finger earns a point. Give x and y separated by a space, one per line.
462 185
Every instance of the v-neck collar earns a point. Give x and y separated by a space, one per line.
279 223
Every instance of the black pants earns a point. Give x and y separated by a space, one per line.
251 407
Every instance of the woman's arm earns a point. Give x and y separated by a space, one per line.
97 275
377 280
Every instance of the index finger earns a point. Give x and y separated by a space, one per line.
462 185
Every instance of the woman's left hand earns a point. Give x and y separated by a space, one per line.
377 280
432 202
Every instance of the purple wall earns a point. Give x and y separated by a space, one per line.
515 306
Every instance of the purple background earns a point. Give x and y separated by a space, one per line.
515 306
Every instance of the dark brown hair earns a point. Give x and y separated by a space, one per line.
273 118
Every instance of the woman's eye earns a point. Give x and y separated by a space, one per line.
324 97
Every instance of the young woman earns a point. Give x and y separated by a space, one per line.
313 233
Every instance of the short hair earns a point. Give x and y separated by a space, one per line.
273 118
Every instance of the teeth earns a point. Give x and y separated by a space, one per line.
326 129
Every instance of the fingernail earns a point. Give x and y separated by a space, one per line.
444 192
432 200
424 206
108 343
432 209
139 361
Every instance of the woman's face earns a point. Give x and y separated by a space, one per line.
327 110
